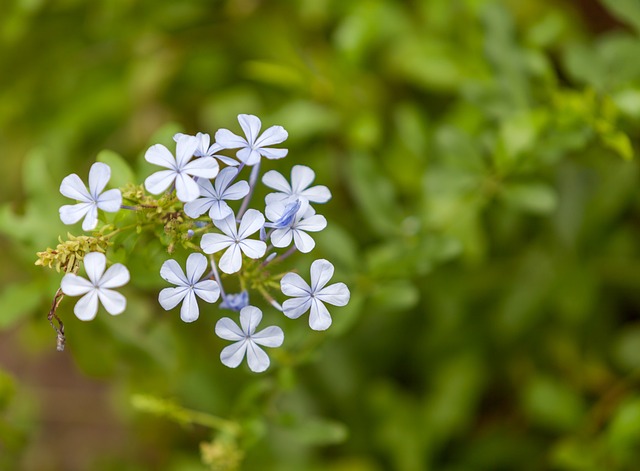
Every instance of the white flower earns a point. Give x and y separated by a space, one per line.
180 169
314 296
98 286
247 340
294 226
235 240
253 146
301 177
206 150
188 286
92 200
213 196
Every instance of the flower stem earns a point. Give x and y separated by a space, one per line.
216 276
252 185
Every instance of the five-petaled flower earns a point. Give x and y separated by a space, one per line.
206 150
92 200
99 286
180 169
254 146
247 341
212 197
235 240
188 286
301 177
296 226
314 296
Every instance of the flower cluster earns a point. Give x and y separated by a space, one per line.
198 190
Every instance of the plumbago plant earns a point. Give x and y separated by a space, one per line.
200 200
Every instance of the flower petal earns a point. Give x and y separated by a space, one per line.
157 182
231 260
301 177
212 243
292 284
319 319
171 271
253 248
321 273
337 294
196 265
87 306
295 307
312 224
202 167
229 140
99 176
224 178
114 302
271 136
281 237
270 337
276 180
220 210
189 311
186 188
91 218
185 148
317 194
229 330
303 241
251 222
233 355
196 208
171 297
236 191
249 156
257 359
74 285
250 317
207 290
228 225
72 213
159 155
94 265
110 201
251 125
116 275
73 187
273 154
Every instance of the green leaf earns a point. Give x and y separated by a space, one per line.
121 171
536 198
627 11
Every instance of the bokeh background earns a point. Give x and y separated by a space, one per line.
486 217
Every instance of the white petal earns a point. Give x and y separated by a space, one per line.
229 140
321 273
301 177
207 290
228 225
185 148
224 178
91 218
72 213
250 317
203 143
87 306
312 224
189 311
99 176
72 187
304 242
253 248
196 265
271 136
160 155
196 208
110 201
220 210
278 198
212 243
281 237
269 337
231 260
74 285
337 294
249 156
94 265
172 272
186 188
292 284
273 154
317 194
203 167
171 297
114 302
117 275
233 355
236 191
295 307
276 180
257 359
251 222
251 125
157 182
319 319
275 211
229 330
227 160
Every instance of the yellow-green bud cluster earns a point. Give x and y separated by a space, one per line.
221 455
68 253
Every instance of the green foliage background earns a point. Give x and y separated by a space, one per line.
485 216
